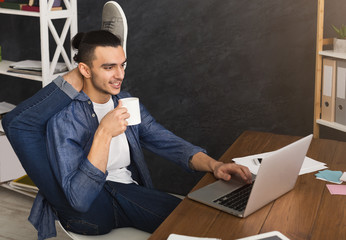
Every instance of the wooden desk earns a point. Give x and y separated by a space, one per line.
309 211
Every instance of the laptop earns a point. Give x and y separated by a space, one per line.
277 175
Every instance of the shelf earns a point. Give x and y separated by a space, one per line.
4 65
331 53
57 14
19 12
334 125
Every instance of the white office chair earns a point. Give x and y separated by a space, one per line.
116 234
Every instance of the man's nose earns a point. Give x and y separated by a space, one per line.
119 72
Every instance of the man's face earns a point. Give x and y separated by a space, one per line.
107 73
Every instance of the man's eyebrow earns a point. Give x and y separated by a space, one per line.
108 64
112 64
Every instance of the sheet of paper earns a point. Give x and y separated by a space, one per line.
343 177
182 237
248 161
312 169
309 164
329 176
336 189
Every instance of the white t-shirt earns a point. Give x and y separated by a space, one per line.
119 152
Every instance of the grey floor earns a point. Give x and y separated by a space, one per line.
14 212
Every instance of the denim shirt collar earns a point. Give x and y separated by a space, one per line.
83 97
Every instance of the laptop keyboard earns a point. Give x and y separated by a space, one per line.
237 199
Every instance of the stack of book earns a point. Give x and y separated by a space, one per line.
33 67
13 4
23 185
27 5
34 6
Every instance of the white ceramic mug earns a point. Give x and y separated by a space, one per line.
132 105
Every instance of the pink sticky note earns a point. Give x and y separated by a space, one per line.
337 189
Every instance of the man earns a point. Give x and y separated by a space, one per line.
91 154
80 179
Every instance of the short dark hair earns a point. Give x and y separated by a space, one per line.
86 42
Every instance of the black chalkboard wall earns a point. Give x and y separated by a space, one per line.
207 70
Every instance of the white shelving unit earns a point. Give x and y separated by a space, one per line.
46 25
12 169
320 53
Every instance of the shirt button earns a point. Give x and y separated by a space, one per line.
93 115
89 102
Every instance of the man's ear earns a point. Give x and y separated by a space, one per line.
84 70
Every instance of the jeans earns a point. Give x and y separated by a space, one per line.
117 205
144 208
127 205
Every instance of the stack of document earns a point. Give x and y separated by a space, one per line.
330 176
33 67
335 177
23 185
309 164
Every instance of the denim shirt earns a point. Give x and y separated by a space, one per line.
69 138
